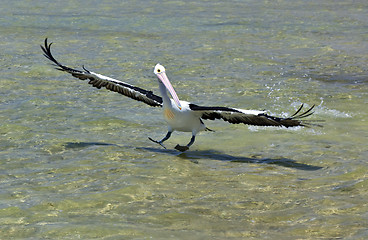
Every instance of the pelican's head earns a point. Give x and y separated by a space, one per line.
159 69
161 75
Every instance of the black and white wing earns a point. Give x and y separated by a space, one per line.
253 117
99 81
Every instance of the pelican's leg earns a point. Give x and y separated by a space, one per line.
184 148
168 135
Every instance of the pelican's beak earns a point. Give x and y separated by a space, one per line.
163 78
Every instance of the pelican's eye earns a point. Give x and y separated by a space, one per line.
158 70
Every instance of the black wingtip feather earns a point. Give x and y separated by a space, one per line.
47 53
85 69
297 118
300 108
306 113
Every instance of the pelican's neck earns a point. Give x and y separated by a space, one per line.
165 97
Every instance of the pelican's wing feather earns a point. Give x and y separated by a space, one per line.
99 81
253 117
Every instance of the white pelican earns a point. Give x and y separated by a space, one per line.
181 115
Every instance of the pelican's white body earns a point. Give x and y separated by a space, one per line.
183 120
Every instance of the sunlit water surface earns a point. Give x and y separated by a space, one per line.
76 161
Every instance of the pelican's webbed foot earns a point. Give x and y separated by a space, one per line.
158 142
162 140
185 148
181 148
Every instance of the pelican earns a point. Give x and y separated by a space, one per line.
181 115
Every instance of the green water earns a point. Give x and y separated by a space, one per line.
76 161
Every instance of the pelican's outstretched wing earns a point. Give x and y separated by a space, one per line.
99 81
253 117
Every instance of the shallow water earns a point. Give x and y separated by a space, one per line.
76 161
